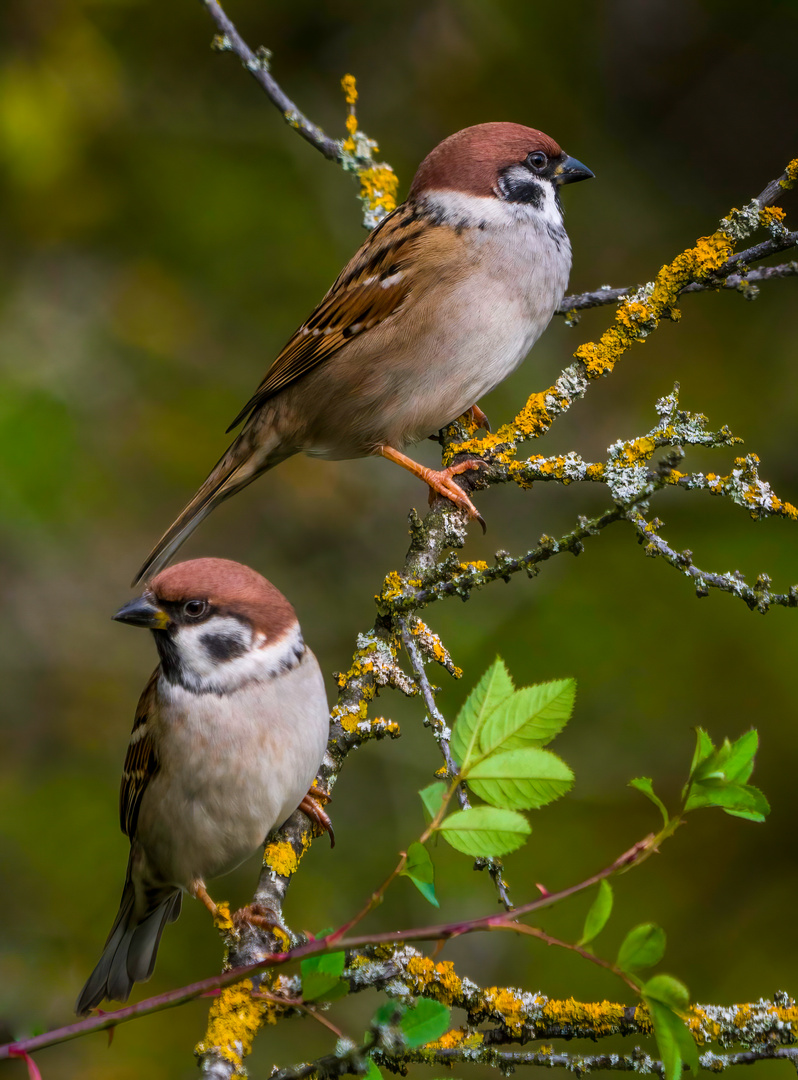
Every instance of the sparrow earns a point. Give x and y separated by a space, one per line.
441 303
229 734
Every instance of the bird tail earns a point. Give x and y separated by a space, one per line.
243 461
130 951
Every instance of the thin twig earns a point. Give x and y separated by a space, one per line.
258 68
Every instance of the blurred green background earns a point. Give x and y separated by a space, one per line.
163 233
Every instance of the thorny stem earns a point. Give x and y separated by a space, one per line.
331 943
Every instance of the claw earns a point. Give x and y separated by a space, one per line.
311 805
440 480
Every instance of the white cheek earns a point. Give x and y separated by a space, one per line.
201 672
196 657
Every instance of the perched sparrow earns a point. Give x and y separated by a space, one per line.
440 304
228 737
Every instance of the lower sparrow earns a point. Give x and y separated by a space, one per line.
229 734
441 303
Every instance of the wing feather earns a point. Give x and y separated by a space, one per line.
373 285
141 761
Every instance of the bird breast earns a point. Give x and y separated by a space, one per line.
232 766
485 289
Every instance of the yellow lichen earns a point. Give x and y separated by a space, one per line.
280 856
221 919
234 1020
349 87
771 215
379 185
457 1037
439 980
791 178
600 1017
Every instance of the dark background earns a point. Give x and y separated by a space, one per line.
162 235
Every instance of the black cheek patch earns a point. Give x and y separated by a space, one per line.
222 647
522 188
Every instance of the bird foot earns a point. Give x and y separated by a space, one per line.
440 480
479 418
312 806
257 915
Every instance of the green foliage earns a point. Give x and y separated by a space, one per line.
520 779
485 830
372 1073
427 1021
646 785
642 947
321 977
421 872
432 797
718 777
498 741
598 913
676 1045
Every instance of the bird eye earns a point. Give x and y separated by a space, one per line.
195 609
537 160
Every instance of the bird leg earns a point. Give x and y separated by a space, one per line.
312 806
199 892
479 418
439 480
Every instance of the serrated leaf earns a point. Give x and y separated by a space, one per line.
598 913
485 830
676 1044
668 991
521 779
642 947
532 715
431 799
420 870
646 786
739 800
704 748
425 1023
740 762
491 690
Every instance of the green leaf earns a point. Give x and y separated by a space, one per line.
598 913
485 830
431 798
420 871
493 688
520 779
646 785
642 947
425 1023
668 991
372 1073
676 1045
532 715
740 762
704 748
390 1012
321 977
739 800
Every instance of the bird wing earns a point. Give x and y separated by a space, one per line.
372 286
141 761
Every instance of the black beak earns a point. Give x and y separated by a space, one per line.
570 170
143 611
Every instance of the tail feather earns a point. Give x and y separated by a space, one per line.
239 466
130 951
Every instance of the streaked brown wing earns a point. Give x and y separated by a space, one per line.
141 762
372 286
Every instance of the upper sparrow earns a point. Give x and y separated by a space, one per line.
443 300
229 734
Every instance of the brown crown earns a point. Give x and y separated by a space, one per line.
471 159
231 588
